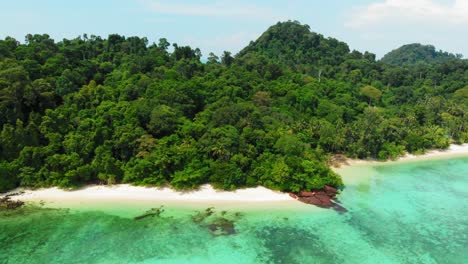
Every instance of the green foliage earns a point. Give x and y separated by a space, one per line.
391 151
143 171
8 179
289 145
412 54
372 93
462 93
226 175
294 45
163 121
94 110
191 176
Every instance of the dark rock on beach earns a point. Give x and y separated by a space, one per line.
322 197
7 203
330 191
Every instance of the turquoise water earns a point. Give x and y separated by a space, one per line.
397 213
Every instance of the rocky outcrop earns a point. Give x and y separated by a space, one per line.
323 197
318 197
7 203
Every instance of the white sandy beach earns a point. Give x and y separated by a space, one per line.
359 171
206 195
125 191
452 152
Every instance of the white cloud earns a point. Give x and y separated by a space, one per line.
387 24
211 9
426 12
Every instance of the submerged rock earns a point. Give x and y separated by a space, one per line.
7 203
154 212
201 216
222 227
339 208
218 224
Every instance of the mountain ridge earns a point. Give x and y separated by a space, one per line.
416 53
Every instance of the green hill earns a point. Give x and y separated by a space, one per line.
122 110
412 54
294 44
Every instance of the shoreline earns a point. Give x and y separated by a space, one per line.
355 172
96 196
100 196
453 151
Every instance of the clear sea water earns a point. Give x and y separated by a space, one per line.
397 213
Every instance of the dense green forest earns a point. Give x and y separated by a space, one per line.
94 110
413 54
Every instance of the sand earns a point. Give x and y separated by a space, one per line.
205 195
128 196
360 171
452 152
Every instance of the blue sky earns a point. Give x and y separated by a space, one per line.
216 25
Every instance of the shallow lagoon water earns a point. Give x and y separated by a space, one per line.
413 212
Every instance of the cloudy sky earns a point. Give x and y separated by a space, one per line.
216 25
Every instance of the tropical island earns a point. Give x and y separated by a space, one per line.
91 110
115 149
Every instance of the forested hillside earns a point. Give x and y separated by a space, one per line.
413 54
90 110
